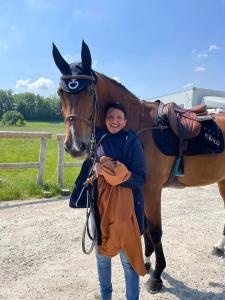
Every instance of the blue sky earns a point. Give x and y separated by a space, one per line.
153 47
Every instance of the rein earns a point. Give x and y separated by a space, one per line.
142 130
90 202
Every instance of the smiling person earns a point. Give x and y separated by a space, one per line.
121 175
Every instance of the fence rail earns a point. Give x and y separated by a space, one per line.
42 154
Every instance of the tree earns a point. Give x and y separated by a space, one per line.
26 103
12 118
37 108
7 101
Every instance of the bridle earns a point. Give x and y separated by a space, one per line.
91 121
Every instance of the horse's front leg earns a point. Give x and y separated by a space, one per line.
149 249
153 215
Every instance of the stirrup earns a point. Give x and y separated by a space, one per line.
178 168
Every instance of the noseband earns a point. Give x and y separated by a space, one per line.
92 119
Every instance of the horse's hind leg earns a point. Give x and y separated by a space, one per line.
149 249
153 215
219 248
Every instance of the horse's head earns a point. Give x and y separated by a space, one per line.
78 100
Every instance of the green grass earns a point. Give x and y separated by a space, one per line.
21 183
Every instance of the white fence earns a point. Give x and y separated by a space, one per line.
42 154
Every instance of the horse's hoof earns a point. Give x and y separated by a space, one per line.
153 285
147 266
217 251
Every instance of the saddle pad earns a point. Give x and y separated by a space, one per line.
209 141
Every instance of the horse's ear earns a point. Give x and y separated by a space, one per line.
85 56
60 61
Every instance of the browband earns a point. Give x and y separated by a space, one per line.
68 77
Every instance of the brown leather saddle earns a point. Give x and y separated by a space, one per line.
185 123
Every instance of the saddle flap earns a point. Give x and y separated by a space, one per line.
189 126
182 122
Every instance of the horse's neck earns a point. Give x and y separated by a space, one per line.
109 90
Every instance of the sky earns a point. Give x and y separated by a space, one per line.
153 47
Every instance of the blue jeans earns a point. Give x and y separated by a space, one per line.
104 274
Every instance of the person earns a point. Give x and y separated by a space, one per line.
121 173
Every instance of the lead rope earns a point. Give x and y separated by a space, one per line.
89 212
86 227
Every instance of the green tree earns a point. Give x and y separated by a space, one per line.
25 104
7 101
12 118
35 107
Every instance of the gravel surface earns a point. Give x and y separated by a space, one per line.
41 256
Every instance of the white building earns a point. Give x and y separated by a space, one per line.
194 96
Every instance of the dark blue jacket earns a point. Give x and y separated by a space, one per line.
129 151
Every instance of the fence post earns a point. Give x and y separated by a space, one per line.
42 157
42 154
60 169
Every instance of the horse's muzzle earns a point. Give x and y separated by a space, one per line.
75 150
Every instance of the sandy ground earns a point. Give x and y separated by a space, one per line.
41 256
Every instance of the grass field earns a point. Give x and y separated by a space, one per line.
21 183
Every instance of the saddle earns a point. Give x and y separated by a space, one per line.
185 123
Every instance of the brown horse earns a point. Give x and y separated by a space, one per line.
84 93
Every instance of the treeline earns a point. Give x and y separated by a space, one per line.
32 107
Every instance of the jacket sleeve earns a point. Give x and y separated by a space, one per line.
136 165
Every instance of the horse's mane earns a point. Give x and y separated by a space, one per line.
119 85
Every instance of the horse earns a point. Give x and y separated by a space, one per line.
84 93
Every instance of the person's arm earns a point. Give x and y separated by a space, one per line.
137 167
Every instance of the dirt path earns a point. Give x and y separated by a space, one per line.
41 256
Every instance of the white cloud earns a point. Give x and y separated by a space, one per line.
202 55
117 79
41 83
3 44
213 47
199 69
22 83
13 27
205 53
188 85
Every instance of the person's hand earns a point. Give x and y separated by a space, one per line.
97 169
108 163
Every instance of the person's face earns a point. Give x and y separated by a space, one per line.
115 120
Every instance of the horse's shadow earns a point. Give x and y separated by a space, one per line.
182 291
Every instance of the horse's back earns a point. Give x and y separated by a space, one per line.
205 169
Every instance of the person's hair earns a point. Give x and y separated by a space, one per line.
116 105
